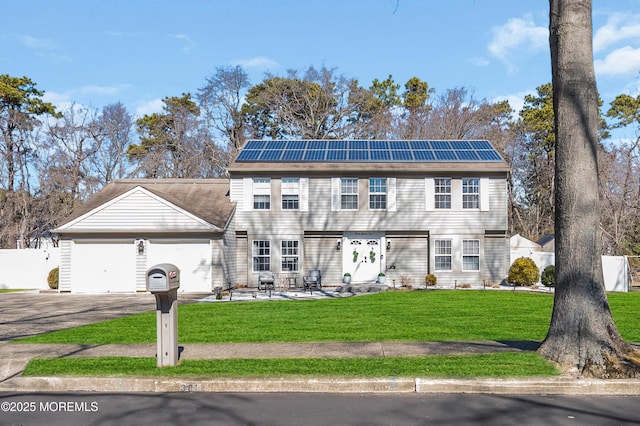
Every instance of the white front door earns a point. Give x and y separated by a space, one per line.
361 256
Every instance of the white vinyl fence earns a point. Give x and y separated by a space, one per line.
27 268
614 268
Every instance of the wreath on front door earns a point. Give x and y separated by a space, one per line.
372 256
355 256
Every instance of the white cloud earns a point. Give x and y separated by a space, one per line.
57 99
261 62
103 90
516 100
479 61
36 43
43 47
516 36
150 107
621 62
619 27
188 42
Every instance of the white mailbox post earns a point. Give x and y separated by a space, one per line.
163 281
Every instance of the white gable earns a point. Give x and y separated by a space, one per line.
138 210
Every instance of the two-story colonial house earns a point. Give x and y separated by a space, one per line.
365 207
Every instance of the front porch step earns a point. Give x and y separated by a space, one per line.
362 288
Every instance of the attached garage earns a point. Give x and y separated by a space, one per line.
102 266
131 225
193 258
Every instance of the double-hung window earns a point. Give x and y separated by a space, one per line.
261 255
377 193
470 193
290 194
261 193
442 193
442 255
290 255
470 255
349 194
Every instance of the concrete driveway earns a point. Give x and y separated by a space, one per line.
30 313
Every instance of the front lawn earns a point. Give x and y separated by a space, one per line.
390 316
495 365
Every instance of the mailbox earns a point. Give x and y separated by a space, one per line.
163 278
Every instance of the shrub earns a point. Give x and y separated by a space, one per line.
548 276
406 281
430 280
523 271
52 279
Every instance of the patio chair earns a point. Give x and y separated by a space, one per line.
266 281
312 280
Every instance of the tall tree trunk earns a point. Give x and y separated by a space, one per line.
582 337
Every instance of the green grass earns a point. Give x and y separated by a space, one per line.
12 290
493 365
390 316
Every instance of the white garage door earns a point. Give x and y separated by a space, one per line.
193 258
101 267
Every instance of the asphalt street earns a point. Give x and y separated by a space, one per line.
315 409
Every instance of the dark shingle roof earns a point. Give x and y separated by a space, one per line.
207 199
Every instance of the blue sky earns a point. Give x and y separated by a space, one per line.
139 51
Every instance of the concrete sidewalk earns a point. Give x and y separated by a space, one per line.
16 356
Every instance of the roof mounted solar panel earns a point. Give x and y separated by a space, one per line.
421 145
255 145
481 145
275 145
379 145
423 155
402 155
314 155
293 155
358 145
316 144
340 145
380 155
468 155
296 144
270 155
440 145
445 155
358 155
368 151
460 145
399 145
336 155
249 155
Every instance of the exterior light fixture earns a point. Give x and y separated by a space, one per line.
338 245
388 245
141 247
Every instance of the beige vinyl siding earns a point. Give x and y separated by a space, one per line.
139 211
409 212
320 253
236 191
410 255
242 252
218 277
495 262
230 255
